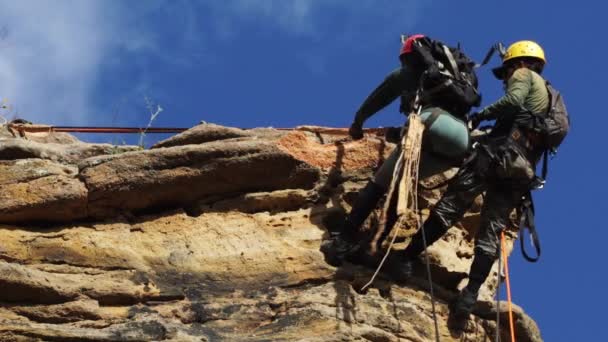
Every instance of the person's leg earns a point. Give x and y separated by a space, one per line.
497 207
370 195
468 183
348 241
366 201
462 190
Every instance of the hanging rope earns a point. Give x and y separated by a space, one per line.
405 176
426 255
497 332
405 180
508 282
428 273
35 128
91 129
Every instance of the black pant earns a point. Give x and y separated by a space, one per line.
504 173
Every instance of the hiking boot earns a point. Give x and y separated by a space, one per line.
463 305
400 269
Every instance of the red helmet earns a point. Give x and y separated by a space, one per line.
408 43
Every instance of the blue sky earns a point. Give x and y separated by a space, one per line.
282 63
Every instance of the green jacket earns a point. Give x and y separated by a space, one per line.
526 93
400 82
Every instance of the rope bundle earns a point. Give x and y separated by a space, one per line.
405 180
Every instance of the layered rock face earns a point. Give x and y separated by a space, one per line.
213 235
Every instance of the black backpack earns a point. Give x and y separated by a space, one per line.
449 81
552 127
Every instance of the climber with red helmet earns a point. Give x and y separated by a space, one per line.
427 66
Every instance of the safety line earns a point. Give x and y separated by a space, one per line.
93 129
506 267
33 128
405 183
497 332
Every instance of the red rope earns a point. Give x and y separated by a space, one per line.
93 129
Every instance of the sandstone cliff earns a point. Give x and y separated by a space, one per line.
211 235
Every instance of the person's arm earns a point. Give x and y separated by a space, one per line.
518 87
388 91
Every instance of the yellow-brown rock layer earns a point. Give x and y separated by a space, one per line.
206 240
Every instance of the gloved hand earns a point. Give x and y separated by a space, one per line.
356 131
475 119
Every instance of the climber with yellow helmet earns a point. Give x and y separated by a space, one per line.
522 64
502 165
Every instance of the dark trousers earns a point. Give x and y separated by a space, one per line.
501 171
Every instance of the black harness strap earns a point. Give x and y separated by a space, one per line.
498 47
432 118
526 221
545 168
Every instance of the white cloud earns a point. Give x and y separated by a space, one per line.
294 15
49 57
53 52
301 16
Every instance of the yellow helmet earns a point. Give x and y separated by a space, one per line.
524 48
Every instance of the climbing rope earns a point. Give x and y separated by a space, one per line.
396 173
419 225
405 179
406 168
508 282
428 271
91 129
34 128
498 280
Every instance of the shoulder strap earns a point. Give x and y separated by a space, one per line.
452 61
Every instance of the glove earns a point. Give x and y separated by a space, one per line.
475 119
355 131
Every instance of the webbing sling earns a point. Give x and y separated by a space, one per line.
498 47
526 221
545 168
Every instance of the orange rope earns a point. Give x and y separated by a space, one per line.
506 266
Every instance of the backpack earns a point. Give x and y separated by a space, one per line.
556 124
449 81
552 127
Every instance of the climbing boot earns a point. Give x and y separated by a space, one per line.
463 305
